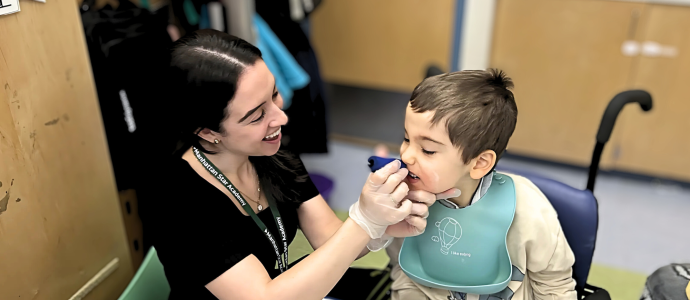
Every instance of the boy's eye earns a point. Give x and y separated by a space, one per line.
406 140
428 152
275 94
263 112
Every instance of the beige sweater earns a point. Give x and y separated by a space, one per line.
541 257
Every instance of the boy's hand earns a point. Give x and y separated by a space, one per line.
415 223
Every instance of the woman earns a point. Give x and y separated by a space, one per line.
212 227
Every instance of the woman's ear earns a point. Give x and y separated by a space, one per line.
483 164
208 135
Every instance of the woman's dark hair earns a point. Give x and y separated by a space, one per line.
205 67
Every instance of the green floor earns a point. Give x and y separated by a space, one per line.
621 284
374 260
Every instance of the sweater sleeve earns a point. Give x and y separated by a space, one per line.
539 246
555 281
549 257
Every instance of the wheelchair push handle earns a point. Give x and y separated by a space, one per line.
615 107
607 122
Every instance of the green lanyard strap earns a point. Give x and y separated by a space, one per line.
282 257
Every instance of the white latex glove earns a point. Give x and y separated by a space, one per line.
415 223
382 202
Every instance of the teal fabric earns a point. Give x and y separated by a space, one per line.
144 4
288 73
204 19
190 12
465 250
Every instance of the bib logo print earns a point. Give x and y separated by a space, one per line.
449 233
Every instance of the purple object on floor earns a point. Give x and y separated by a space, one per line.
323 184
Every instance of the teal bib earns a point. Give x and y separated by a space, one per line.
464 250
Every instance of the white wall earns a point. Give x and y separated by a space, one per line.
477 33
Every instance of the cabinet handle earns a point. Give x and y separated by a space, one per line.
630 48
654 49
648 49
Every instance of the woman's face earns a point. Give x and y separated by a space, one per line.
255 117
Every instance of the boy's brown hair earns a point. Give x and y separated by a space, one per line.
477 106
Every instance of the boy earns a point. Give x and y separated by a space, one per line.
457 126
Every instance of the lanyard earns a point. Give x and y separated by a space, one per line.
211 168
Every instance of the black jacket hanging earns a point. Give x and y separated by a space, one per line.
129 47
306 131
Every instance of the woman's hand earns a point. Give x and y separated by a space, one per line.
415 223
382 201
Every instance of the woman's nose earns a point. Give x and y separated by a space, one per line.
280 119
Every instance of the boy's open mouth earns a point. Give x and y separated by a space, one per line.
413 176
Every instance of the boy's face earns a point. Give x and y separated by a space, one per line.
430 156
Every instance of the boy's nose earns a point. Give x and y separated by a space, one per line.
407 157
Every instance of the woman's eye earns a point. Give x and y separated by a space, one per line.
263 112
428 152
406 140
275 94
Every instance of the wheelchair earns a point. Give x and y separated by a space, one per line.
577 209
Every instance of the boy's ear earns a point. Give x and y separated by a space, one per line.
483 164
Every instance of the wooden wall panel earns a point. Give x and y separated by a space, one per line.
386 44
60 221
565 59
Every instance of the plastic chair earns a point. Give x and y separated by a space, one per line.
577 209
149 283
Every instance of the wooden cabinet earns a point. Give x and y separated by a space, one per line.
566 60
658 143
382 44
564 57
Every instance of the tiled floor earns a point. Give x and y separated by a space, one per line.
643 225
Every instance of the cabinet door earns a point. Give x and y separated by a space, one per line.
565 59
658 142
382 44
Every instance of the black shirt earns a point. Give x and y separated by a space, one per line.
199 233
